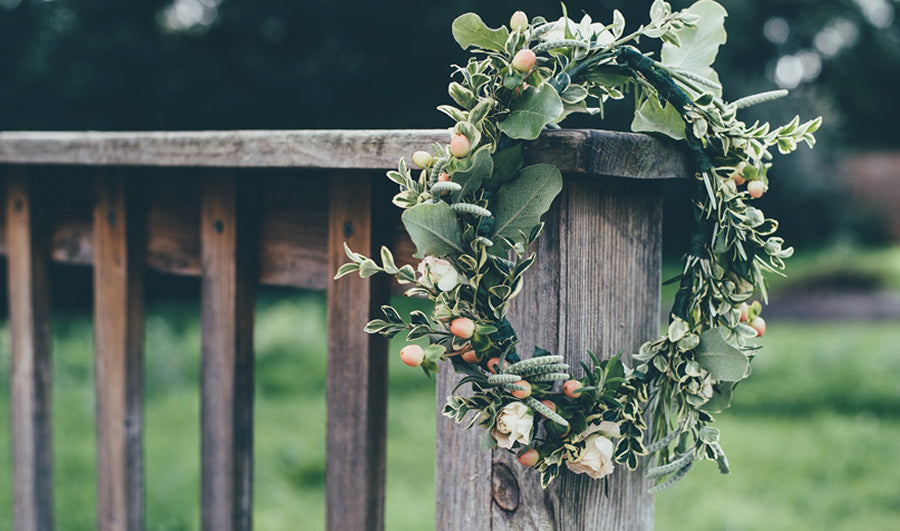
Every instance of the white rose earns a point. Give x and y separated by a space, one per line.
595 459
514 424
585 29
438 272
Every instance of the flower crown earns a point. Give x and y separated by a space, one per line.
474 210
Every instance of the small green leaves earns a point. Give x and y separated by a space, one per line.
433 228
531 112
470 30
522 202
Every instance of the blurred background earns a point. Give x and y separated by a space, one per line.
812 436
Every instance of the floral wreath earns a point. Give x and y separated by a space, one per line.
474 211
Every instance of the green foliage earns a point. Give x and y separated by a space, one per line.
531 112
433 228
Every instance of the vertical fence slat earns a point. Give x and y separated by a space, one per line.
27 237
119 345
357 362
228 262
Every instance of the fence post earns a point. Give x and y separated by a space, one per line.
594 286
28 248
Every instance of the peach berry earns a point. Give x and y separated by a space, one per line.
738 179
522 394
524 60
442 178
470 356
494 366
412 355
550 404
462 327
745 312
460 146
759 324
528 457
756 189
571 387
422 159
518 21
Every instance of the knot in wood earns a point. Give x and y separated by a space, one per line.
504 488
218 226
348 229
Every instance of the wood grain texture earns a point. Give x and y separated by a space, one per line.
119 354
228 236
592 152
30 329
357 362
597 278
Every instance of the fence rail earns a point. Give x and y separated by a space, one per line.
240 208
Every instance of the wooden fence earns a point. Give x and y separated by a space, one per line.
274 207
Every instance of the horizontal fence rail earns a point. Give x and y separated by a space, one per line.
239 208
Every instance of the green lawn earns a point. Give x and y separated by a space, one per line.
812 438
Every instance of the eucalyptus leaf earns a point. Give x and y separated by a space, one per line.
699 43
433 228
721 399
507 163
651 117
522 201
470 30
723 361
531 112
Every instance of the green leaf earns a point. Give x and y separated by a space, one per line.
470 179
507 163
433 228
721 399
651 117
533 110
470 30
522 202
723 361
700 43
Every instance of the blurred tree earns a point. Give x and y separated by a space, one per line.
230 64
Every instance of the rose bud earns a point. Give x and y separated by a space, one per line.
422 159
571 387
756 189
412 355
462 327
518 21
759 324
528 457
524 60
460 146
522 394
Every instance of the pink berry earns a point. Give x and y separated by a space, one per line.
470 356
524 60
412 355
745 312
442 178
460 146
571 387
422 159
494 365
528 457
756 189
738 179
759 324
522 394
462 327
518 21
550 404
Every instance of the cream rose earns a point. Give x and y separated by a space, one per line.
595 459
438 272
514 424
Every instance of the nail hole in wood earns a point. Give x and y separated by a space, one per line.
348 229
19 204
219 226
111 219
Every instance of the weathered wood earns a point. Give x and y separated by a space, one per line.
357 363
228 234
119 346
595 286
30 328
574 151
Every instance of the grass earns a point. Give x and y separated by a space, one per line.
812 437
